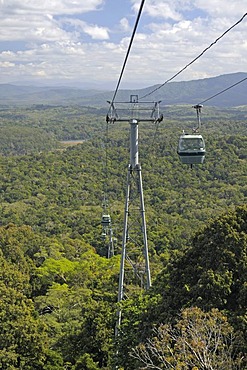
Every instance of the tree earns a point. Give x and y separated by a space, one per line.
79 307
85 362
210 274
22 336
199 341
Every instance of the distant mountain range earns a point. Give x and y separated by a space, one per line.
184 92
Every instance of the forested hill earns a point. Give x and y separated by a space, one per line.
185 92
54 191
58 291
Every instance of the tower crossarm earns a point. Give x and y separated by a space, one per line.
124 111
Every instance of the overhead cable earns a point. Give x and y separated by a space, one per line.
221 92
128 51
106 159
206 49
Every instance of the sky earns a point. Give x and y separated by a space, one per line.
83 43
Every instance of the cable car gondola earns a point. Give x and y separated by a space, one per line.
191 149
106 220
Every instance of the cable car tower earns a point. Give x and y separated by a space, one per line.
134 268
107 232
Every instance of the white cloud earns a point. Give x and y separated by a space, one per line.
222 8
124 25
54 40
36 20
169 9
96 32
6 65
48 6
161 9
27 28
93 30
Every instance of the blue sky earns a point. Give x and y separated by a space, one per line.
83 42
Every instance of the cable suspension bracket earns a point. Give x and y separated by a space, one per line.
198 108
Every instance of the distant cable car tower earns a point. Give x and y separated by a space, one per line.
134 241
107 233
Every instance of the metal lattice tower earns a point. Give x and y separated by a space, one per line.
134 268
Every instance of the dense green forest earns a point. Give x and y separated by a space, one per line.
58 289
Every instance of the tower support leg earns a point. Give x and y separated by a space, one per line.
123 253
144 228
